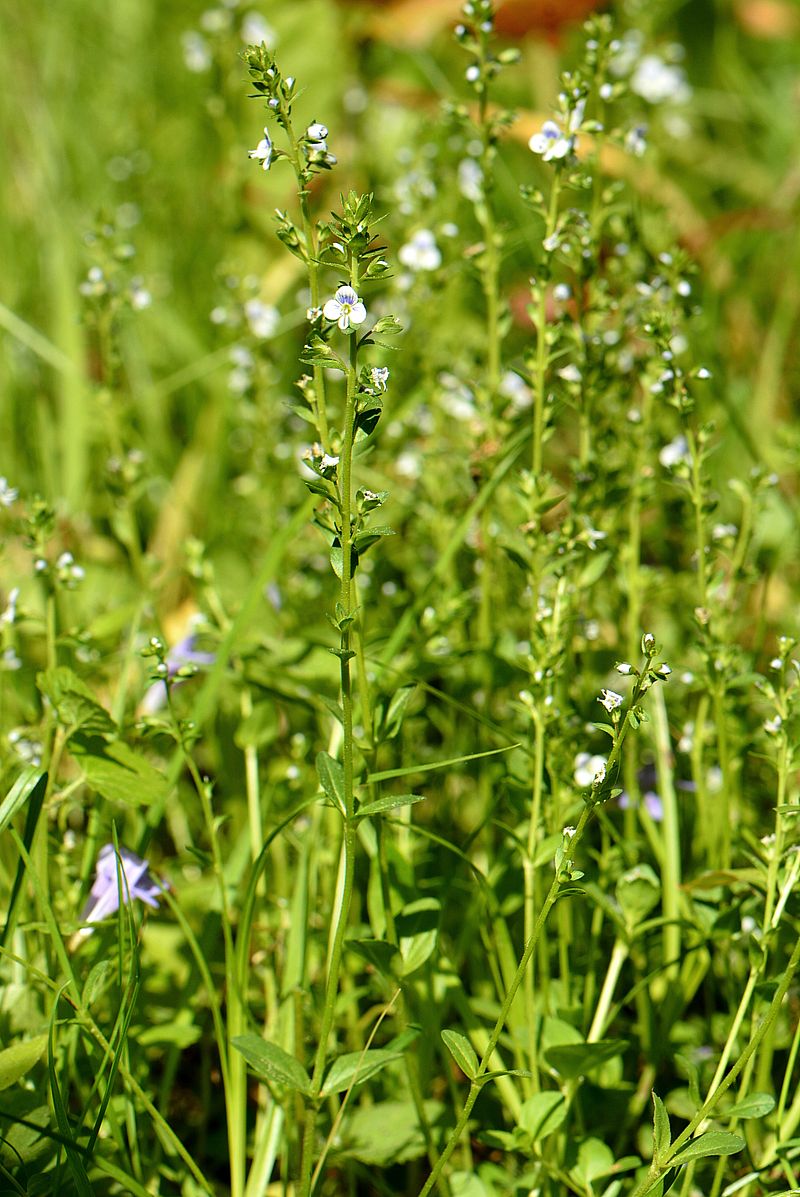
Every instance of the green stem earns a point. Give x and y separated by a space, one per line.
341 912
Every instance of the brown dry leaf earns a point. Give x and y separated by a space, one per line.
768 18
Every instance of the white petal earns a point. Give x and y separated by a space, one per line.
358 313
346 295
331 310
344 321
538 143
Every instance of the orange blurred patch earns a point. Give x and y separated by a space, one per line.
768 18
515 18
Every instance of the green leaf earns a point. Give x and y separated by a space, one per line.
74 703
356 1067
381 955
20 1058
662 1132
391 802
364 540
117 772
595 1158
713 1143
572 1060
417 928
462 1052
20 792
272 1063
331 778
387 1132
638 891
757 1105
456 760
542 1114
397 709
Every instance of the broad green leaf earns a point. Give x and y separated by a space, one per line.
462 1052
74 703
575 1059
117 772
542 1114
391 802
417 928
331 778
469 1184
662 1132
757 1105
386 1133
595 1158
272 1063
20 792
355 1067
18 1059
397 709
712 1143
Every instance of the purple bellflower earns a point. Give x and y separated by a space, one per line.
125 875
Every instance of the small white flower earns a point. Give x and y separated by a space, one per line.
605 91
636 140
8 494
254 30
470 180
196 54
550 142
776 663
421 252
675 453
773 726
610 700
703 374
140 297
10 660
568 832
686 742
10 613
379 377
263 151
664 670
570 373
562 292
625 669
724 531
473 73
261 317
586 767
345 309
316 132
328 461
657 82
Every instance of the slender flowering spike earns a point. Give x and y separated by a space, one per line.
263 151
610 700
345 309
125 875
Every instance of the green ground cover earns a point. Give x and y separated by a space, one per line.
399 666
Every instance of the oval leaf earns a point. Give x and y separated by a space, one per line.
331 778
18 1059
391 802
542 1114
757 1105
356 1067
462 1052
710 1144
271 1062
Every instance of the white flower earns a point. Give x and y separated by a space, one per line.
196 54
263 151
636 140
675 453
703 374
139 295
587 767
470 180
421 252
550 142
10 613
379 377
254 30
316 132
624 668
345 309
8 494
568 832
10 660
328 461
773 726
570 373
610 700
473 73
514 388
664 670
656 81
562 292
723 531
261 317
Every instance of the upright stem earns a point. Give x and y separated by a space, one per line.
341 911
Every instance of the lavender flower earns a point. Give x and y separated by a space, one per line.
125 875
